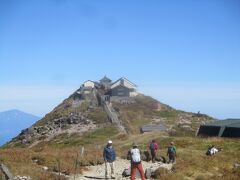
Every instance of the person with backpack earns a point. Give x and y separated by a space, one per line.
109 157
135 155
171 153
153 147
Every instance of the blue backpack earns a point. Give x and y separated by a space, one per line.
152 146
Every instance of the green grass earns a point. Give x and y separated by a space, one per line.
192 163
167 114
99 116
97 136
142 112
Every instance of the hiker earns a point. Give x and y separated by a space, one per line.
135 155
109 157
212 150
153 147
171 153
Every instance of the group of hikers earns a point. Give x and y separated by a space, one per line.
134 154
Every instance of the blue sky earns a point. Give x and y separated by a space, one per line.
184 53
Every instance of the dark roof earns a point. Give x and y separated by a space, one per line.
123 78
105 79
153 127
225 123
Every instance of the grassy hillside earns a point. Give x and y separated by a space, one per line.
192 163
57 140
143 112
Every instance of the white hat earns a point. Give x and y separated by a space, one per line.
109 142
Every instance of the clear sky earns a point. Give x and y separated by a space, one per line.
184 53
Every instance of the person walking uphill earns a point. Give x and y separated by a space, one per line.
135 155
109 157
171 153
153 147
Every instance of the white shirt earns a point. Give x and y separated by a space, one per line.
213 151
135 153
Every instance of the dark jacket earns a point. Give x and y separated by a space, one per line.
109 154
153 147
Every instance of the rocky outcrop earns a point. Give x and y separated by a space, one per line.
75 122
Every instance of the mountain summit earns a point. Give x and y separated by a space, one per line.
107 108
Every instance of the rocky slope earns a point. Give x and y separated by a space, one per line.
87 110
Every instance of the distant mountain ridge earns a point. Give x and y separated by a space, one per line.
12 122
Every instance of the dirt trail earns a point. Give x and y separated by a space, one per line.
98 171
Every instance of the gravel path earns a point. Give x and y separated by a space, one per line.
98 171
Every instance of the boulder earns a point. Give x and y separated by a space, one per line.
126 172
236 169
160 159
160 172
236 166
145 156
45 168
149 172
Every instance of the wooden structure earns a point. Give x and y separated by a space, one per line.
106 82
120 88
123 88
7 174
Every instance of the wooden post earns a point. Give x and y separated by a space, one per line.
76 165
8 175
59 169
82 151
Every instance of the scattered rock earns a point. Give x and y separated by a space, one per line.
149 173
45 168
236 166
126 172
21 178
186 127
35 161
55 127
